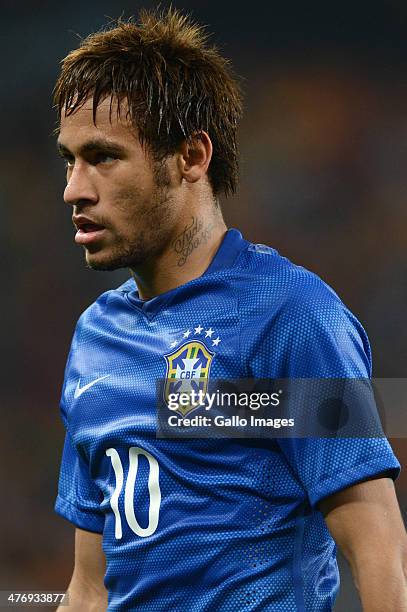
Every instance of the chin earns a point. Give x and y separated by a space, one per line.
107 264
114 261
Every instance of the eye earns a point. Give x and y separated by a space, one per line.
69 162
104 158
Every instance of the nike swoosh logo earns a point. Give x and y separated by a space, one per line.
79 390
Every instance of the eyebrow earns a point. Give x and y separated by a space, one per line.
96 144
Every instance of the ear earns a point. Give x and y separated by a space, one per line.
195 156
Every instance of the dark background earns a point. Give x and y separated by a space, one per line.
324 151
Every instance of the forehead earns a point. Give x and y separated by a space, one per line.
80 126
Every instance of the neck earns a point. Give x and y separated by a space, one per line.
189 251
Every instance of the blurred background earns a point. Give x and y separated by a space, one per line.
324 154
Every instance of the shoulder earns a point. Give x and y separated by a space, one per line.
105 305
270 280
290 312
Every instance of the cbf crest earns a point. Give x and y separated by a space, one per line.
189 366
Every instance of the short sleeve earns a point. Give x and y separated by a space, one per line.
327 465
78 497
331 343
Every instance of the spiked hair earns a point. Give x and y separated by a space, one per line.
174 82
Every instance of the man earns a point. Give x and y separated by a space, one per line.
148 115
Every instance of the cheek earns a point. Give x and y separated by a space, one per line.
130 201
134 209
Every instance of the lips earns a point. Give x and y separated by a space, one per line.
90 227
88 230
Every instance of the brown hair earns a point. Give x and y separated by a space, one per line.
175 84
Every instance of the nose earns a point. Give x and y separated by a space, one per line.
80 188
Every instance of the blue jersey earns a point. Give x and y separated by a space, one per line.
211 524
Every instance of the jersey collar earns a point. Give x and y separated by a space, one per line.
229 250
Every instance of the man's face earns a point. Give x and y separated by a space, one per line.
123 202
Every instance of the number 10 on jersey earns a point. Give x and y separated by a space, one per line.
153 490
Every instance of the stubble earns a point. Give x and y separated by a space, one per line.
149 226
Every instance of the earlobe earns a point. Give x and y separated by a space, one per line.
195 157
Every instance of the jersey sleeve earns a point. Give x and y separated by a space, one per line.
327 341
78 497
